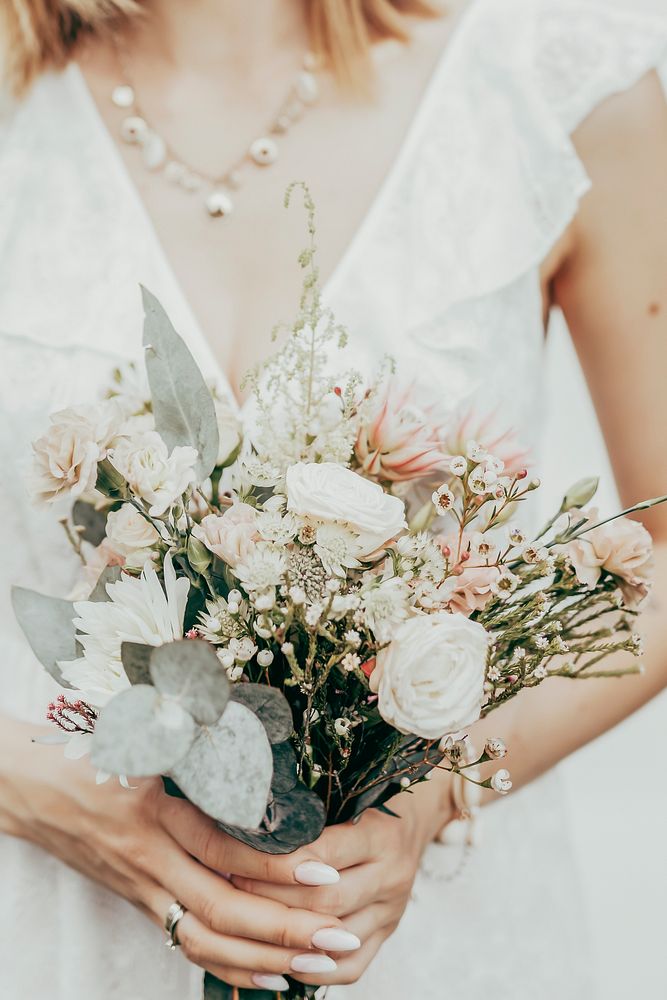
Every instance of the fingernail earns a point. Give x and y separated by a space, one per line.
313 963
316 873
335 939
276 983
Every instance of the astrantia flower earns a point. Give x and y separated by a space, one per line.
385 605
155 475
262 567
139 610
399 440
336 548
276 527
216 624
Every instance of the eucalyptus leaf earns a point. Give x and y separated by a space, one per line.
190 671
110 574
90 522
270 705
296 818
285 774
182 403
140 733
227 771
47 623
135 657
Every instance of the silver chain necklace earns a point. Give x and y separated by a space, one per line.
159 156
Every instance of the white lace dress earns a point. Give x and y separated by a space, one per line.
444 273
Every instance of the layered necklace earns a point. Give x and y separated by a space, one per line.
217 191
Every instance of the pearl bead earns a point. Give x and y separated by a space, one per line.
190 181
174 171
218 204
154 150
123 96
264 151
133 130
307 87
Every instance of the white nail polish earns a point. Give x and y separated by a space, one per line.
277 983
316 873
313 963
335 939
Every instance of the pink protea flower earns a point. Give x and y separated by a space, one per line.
491 436
400 440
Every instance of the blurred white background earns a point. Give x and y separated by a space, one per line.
615 787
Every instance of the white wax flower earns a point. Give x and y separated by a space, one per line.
430 678
332 494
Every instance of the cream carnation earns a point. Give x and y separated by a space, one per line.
66 457
430 678
332 494
155 475
231 535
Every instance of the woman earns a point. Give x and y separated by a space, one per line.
520 152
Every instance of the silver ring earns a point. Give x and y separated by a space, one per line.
175 913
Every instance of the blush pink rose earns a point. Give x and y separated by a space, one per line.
231 535
472 590
622 547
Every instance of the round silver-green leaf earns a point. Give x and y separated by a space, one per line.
227 771
189 671
141 733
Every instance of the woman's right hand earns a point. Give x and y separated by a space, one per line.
143 845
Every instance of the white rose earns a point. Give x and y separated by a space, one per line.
153 474
331 493
430 678
66 457
128 532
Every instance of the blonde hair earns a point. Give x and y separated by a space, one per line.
43 34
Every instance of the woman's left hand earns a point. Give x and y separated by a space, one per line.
378 858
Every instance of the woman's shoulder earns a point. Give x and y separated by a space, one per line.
570 55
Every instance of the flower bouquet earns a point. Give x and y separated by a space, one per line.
295 622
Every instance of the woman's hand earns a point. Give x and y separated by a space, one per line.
153 849
378 859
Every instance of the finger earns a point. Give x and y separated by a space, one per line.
358 887
350 967
249 981
229 911
202 838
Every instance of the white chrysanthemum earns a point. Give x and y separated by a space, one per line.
262 568
385 606
337 548
139 610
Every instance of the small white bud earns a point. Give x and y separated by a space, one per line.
265 602
405 781
287 648
235 596
501 782
265 657
233 607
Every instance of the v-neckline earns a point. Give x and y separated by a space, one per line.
389 182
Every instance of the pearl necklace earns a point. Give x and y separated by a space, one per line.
158 155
